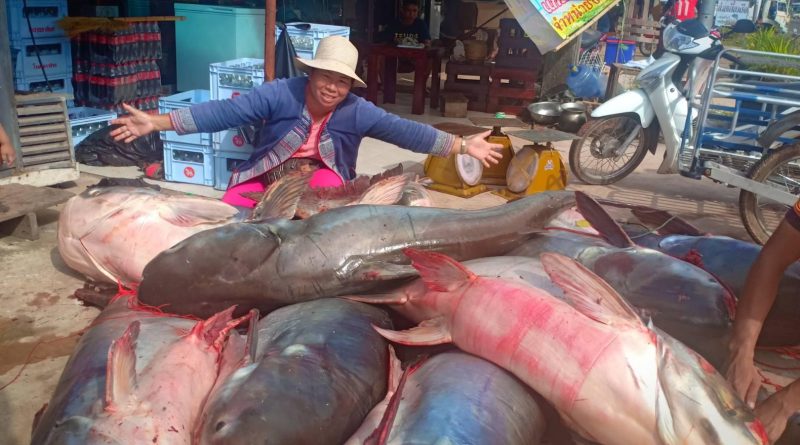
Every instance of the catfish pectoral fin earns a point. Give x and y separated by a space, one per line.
376 271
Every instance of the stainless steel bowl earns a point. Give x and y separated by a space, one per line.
573 107
545 113
573 116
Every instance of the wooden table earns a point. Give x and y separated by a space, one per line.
422 58
18 206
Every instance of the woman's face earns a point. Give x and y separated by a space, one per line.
328 88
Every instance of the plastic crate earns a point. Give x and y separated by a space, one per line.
37 84
56 58
85 120
184 100
307 41
188 163
224 164
43 14
233 77
231 140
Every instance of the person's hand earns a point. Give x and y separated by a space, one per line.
743 375
480 149
136 124
774 413
7 154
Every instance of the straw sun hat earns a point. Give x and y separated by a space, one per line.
337 54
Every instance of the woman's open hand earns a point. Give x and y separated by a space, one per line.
137 123
480 149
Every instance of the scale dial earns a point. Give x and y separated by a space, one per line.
469 169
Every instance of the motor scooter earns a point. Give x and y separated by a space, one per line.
623 129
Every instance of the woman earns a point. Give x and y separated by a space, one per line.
312 123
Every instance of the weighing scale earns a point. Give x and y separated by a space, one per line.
456 174
538 167
533 169
496 174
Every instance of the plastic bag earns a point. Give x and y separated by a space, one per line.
100 149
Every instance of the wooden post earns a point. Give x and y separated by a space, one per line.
8 107
270 10
370 20
556 65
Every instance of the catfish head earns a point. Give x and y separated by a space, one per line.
218 260
695 403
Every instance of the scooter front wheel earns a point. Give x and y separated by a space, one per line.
780 169
609 149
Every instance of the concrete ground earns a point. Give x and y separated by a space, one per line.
40 322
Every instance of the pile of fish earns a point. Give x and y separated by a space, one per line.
553 326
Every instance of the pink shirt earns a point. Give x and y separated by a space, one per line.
310 149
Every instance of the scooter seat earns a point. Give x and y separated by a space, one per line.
589 38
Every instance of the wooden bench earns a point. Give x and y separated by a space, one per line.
18 206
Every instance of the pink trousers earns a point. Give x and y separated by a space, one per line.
323 177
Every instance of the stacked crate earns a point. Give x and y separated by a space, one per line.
84 121
187 158
306 41
231 147
119 66
516 69
40 53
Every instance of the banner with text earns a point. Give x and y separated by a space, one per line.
729 11
568 16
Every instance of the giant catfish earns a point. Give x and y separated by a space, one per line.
319 368
684 300
354 249
612 379
110 233
457 398
730 261
102 395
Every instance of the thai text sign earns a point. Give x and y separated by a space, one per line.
729 11
568 16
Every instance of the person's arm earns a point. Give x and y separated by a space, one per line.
422 138
758 296
7 152
138 123
213 116
776 410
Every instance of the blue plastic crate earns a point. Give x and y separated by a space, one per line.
37 84
234 77
84 121
184 100
43 15
305 42
55 53
224 164
190 164
231 140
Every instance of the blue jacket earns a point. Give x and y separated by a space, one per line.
281 105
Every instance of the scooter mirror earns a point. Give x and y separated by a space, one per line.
743 26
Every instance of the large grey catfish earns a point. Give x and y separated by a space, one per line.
457 398
82 386
730 261
348 250
318 370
